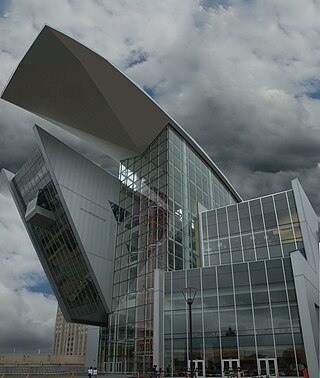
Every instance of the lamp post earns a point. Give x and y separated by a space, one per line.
189 294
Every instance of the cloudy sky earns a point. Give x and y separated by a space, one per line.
242 77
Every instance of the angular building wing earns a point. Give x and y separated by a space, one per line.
64 201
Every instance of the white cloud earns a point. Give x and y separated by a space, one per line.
27 321
18 259
27 318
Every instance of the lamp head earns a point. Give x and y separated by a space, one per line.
189 294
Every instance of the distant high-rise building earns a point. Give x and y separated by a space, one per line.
70 339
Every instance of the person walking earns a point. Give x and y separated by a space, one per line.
90 372
95 372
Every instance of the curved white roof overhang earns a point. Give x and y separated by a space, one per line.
68 84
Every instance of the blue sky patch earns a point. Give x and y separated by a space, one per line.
315 94
312 88
150 90
137 57
215 3
43 287
4 7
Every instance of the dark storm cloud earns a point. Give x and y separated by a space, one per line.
15 127
239 90
258 160
258 145
259 148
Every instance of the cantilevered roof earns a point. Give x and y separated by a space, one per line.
68 84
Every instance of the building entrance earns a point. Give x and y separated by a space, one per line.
113 367
268 366
230 368
199 368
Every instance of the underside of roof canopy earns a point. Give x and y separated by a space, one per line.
68 84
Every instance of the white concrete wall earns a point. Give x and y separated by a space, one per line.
306 278
40 359
92 346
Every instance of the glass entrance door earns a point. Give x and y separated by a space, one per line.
230 368
268 367
198 368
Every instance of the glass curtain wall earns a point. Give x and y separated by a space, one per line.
102 348
191 181
245 312
57 243
260 229
141 248
158 228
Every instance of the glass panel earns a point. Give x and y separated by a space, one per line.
200 368
241 276
222 215
209 288
256 215
179 322
245 320
293 208
274 243
179 356
243 299
268 212
227 322
262 319
272 369
223 229
225 251
286 360
281 320
262 253
204 226
236 249
212 225
257 273
214 259
263 367
234 227
275 272
260 239
244 217
211 323
234 365
248 248
282 209
264 341
224 278
286 234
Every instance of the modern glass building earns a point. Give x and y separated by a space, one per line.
246 313
119 250
159 229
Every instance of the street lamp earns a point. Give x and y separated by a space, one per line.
189 294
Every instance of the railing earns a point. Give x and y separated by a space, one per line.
42 370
